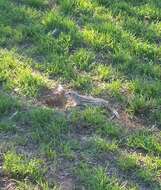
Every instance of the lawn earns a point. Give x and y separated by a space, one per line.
108 49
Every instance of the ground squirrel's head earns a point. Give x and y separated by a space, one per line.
71 94
59 90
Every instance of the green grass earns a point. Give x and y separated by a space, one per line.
7 104
7 127
17 75
104 48
146 168
29 186
47 151
96 119
45 124
146 141
20 167
101 145
127 163
96 178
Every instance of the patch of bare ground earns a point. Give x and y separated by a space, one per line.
129 122
66 181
